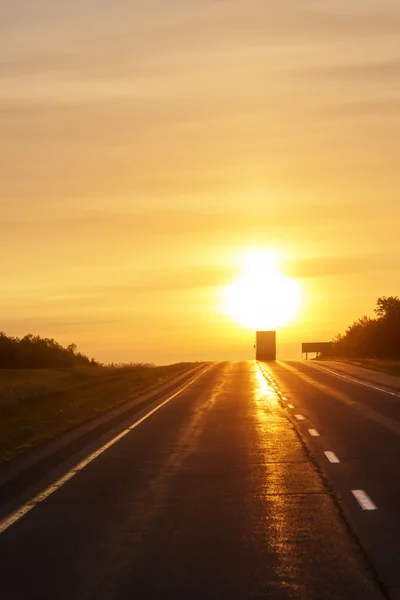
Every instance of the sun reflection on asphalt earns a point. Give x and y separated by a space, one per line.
275 444
264 392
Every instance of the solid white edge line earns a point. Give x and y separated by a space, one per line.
25 508
331 456
353 380
313 432
364 500
299 417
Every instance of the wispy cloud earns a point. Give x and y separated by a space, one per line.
337 266
175 223
386 109
366 70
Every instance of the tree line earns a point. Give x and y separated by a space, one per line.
35 352
377 337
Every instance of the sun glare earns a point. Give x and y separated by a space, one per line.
262 297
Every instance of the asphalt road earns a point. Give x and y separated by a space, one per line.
223 493
360 424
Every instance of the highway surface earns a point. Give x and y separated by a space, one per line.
277 480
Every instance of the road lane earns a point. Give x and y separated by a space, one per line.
214 496
361 427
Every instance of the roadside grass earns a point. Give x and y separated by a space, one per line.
39 404
391 367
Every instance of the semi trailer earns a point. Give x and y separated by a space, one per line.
266 345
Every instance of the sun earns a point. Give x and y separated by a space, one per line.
262 297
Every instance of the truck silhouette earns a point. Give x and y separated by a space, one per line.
266 345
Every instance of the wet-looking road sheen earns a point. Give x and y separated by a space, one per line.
214 496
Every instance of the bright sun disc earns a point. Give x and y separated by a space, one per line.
262 298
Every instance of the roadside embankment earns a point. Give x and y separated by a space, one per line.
38 405
385 374
391 367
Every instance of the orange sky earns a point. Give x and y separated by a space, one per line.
146 145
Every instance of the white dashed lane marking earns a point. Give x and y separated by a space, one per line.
313 432
364 500
331 456
362 497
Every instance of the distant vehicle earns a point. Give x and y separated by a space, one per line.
266 345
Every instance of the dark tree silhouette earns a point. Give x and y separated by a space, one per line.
373 338
34 352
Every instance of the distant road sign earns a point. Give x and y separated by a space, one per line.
325 347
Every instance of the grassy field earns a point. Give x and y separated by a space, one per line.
36 405
391 367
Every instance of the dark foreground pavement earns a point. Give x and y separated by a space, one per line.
214 496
